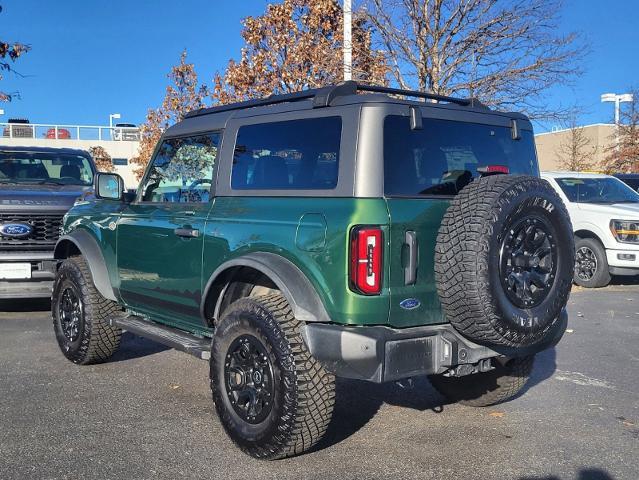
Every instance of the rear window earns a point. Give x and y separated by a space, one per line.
443 157
296 154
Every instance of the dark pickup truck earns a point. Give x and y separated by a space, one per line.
37 187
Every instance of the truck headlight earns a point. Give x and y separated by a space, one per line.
625 231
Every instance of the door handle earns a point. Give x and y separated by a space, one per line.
187 232
410 270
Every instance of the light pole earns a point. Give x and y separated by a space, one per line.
617 99
348 41
117 116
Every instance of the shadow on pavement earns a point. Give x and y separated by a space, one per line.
544 368
132 346
357 402
624 280
26 305
584 474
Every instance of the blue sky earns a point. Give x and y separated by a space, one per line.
93 58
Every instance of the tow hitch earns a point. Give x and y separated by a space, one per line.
470 368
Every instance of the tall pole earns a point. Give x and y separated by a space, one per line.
348 41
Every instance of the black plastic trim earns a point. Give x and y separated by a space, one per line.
289 279
91 251
381 354
624 271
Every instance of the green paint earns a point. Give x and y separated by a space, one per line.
162 276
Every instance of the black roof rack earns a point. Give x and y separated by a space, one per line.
323 97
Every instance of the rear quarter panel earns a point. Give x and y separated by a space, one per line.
240 225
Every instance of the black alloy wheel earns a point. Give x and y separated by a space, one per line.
70 312
249 379
528 261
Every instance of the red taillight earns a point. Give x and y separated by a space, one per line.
366 260
494 169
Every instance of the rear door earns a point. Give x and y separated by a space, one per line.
160 235
423 170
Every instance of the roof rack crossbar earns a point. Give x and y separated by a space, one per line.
324 97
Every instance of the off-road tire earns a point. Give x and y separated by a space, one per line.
96 340
601 277
304 393
468 260
488 388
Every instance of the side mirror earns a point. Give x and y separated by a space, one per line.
109 186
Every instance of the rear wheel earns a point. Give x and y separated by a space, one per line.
273 399
591 264
81 315
489 388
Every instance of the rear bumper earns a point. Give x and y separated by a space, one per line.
382 354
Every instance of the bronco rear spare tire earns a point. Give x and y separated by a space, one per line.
504 260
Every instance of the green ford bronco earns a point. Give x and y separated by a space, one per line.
346 231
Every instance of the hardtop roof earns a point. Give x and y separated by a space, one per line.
344 94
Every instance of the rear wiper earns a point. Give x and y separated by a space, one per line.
9 182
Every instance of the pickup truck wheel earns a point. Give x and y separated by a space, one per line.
591 264
488 388
81 315
273 399
504 260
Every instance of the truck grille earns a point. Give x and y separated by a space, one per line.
46 231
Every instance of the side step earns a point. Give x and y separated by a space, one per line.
199 347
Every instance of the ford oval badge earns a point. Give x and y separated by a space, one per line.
410 304
15 230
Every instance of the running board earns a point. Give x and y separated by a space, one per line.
199 347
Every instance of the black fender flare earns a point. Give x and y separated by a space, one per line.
289 279
90 250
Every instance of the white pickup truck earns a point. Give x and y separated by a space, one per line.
605 218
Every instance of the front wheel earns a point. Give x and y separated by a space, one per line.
591 264
81 315
273 399
489 388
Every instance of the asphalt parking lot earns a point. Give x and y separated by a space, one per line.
148 413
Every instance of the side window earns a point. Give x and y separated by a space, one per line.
182 170
290 155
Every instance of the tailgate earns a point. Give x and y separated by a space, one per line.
413 232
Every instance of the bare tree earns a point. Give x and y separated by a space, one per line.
297 44
576 152
9 51
506 53
622 156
